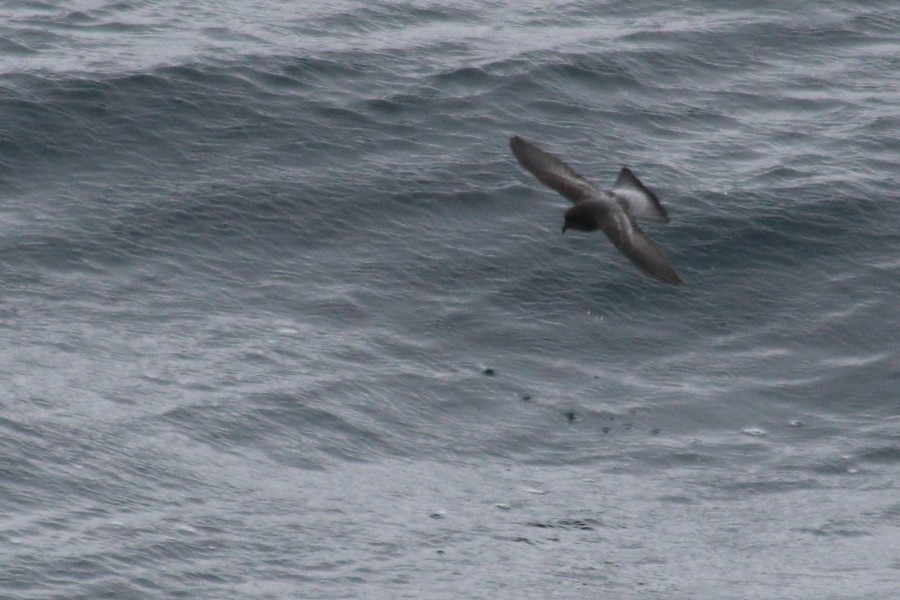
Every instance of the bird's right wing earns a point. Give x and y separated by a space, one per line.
551 171
625 235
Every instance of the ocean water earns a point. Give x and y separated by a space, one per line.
282 317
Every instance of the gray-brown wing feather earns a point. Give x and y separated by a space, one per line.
551 171
625 235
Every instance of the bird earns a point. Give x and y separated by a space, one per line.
614 211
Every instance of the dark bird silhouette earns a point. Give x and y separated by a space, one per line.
614 211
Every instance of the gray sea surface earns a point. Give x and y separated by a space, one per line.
282 317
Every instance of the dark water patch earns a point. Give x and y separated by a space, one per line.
782 105
289 429
328 68
61 251
393 17
885 455
878 19
78 18
552 108
834 467
223 35
577 74
465 78
467 82
398 105
219 93
778 234
826 33
31 129
574 524
740 488
140 123
70 470
666 70
834 529
348 119
8 46
81 98
36 5
677 458
170 224
98 20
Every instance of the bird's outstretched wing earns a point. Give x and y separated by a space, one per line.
636 198
625 235
551 171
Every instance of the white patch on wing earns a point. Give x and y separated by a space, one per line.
636 198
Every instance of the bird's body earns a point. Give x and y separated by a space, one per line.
614 211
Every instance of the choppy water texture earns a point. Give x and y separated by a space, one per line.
283 318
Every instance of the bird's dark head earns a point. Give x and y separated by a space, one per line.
584 216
